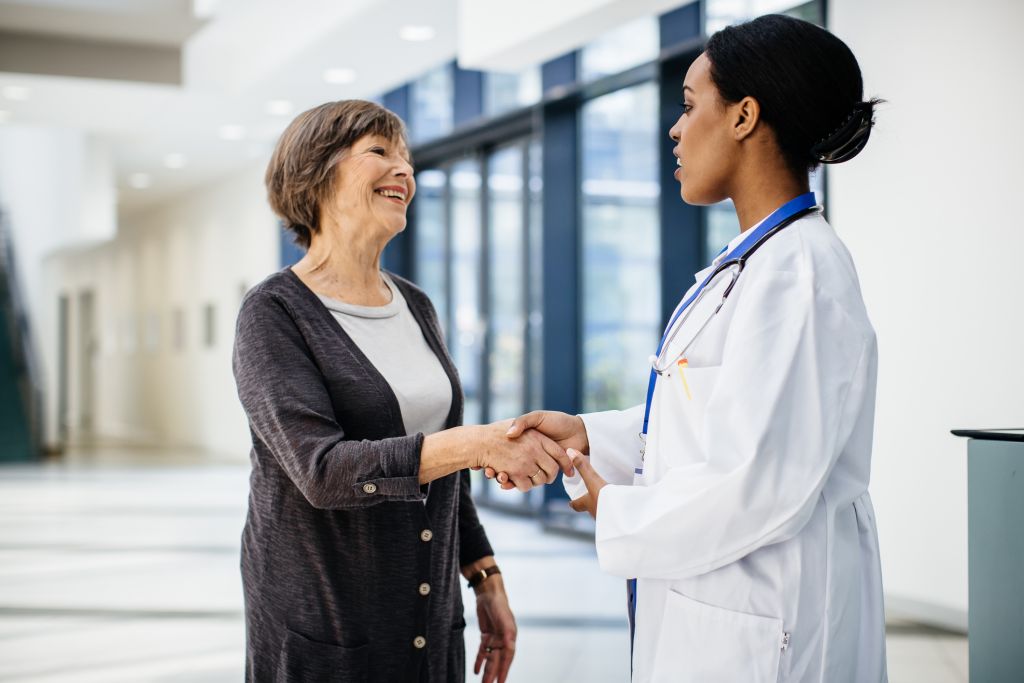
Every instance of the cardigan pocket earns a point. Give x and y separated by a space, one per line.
457 653
303 660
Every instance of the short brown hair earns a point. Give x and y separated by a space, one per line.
300 174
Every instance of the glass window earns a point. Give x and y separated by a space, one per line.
721 13
431 249
508 91
432 107
507 284
467 340
627 46
620 235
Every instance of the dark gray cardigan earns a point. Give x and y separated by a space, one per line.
338 547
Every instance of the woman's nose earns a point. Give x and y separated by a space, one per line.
404 168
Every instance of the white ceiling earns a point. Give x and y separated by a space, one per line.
242 55
234 57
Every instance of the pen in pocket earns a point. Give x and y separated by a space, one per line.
682 364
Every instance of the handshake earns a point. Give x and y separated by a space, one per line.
522 453
530 450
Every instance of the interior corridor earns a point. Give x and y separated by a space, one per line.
122 565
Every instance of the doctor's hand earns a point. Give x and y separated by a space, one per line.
568 431
593 480
530 461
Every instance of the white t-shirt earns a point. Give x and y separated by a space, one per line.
393 341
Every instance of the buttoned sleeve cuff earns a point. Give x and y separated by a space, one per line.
400 466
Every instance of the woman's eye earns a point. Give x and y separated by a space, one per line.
378 150
686 107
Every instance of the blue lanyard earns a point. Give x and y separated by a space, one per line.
782 214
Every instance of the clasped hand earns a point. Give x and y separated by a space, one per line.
532 459
570 434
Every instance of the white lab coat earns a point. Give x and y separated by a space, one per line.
751 531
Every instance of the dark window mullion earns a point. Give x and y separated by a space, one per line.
446 216
485 286
527 272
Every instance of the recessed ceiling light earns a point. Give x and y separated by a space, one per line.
416 34
232 131
140 181
175 160
279 107
16 93
339 76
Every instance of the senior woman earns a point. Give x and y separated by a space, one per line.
360 518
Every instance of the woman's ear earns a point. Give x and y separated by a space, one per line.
746 115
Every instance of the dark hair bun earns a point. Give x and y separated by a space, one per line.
849 139
806 80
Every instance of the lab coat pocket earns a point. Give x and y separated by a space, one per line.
693 389
701 643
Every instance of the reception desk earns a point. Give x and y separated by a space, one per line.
995 561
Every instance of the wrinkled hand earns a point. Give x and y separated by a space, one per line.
593 480
497 632
568 431
528 461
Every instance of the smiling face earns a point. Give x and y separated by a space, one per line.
705 135
374 184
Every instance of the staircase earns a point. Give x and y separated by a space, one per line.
20 390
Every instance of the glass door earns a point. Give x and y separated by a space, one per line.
477 252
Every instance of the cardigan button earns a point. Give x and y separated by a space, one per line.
370 488
424 589
419 642
426 535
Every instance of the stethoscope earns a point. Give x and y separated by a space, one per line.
736 264
736 261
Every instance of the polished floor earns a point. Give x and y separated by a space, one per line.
122 565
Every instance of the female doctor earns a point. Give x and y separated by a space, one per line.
742 509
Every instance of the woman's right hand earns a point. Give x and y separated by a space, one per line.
568 431
531 459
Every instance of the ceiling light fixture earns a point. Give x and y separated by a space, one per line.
416 34
16 93
175 160
339 76
279 107
232 131
140 181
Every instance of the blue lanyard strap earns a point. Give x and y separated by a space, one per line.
782 214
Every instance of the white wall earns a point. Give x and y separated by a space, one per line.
207 247
930 213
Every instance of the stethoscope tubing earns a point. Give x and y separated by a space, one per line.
739 263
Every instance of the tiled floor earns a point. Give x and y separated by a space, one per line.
124 567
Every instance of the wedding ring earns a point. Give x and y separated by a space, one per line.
536 473
488 650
